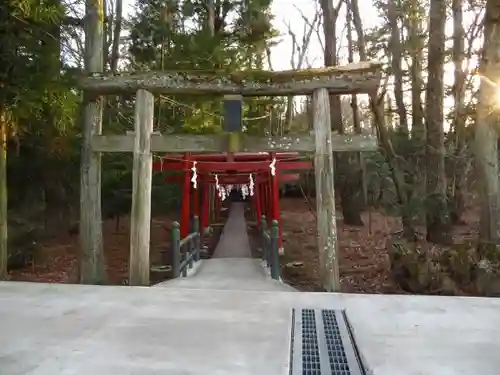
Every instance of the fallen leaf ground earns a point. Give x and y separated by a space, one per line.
57 261
364 262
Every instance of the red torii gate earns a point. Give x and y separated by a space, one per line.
231 169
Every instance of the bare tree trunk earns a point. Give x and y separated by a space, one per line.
309 27
391 159
376 105
416 51
355 111
330 16
438 220
269 59
350 59
211 17
115 49
4 254
396 57
415 150
92 269
111 102
389 114
486 129
459 163
106 32
350 194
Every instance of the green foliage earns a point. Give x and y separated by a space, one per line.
27 51
39 111
44 108
41 108
166 34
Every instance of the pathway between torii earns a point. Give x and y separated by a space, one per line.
232 266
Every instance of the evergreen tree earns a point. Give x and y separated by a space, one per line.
199 35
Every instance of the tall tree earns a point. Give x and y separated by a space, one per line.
457 205
28 62
396 49
416 45
91 267
347 176
486 129
438 221
298 55
115 47
4 254
379 120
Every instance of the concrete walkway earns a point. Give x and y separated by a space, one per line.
54 329
233 242
232 266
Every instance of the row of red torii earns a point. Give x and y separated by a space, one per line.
256 176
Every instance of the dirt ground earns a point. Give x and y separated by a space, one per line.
364 263
57 261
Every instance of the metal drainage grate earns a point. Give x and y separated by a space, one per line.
321 343
310 348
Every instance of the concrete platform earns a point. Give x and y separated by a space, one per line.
104 330
230 318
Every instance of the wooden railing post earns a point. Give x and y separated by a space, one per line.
189 253
197 239
142 177
325 196
275 257
176 250
263 228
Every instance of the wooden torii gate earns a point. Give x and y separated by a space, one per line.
356 78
